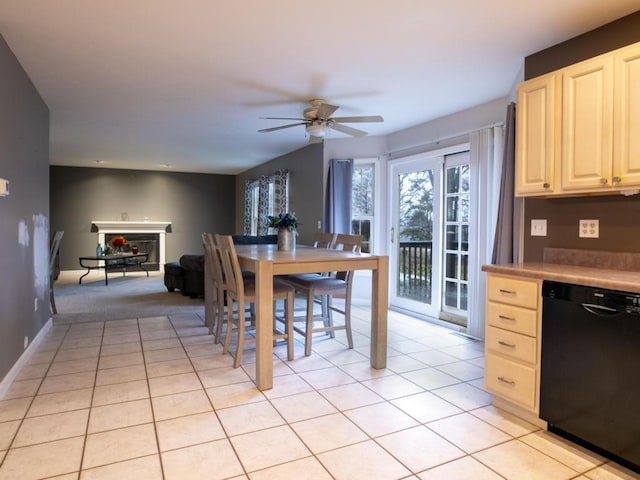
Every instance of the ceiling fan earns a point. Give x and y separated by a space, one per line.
318 121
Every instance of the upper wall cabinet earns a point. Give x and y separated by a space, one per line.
626 135
587 124
574 128
536 136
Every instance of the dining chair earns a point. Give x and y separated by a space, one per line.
215 287
53 271
327 286
242 291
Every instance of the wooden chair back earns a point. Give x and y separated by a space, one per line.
323 240
231 267
348 243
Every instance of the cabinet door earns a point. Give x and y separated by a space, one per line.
626 165
587 118
536 136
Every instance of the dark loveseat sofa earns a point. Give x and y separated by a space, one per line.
187 275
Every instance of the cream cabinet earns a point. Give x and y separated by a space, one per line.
512 341
587 125
575 128
537 135
626 140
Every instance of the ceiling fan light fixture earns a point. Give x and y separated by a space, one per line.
317 129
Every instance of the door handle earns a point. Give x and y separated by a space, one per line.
393 232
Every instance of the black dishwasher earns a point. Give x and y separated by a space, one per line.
590 368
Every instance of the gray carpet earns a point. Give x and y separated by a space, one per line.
131 296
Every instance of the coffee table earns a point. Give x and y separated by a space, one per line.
113 262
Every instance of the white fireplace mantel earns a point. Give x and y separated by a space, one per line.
110 226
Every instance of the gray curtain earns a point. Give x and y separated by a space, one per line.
505 244
338 202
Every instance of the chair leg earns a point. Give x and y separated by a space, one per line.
240 341
347 323
288 316
309 331
328 320
220 316
53 301
229 330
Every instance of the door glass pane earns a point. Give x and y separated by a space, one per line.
452 237
464 178
464 267
452 209
464 241
452 265
453 184
451 294
415 190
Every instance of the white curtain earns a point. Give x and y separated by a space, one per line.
486 147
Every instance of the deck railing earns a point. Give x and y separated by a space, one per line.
414 270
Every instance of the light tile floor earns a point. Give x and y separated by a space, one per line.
154 398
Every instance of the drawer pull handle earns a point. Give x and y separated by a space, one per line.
506 380
507 292
505 344
504 317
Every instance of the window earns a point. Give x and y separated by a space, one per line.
267 195
362 200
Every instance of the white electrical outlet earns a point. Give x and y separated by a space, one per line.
538 227
589 228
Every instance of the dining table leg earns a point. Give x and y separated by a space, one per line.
264 325
379 309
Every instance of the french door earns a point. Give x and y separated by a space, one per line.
429 231
415 219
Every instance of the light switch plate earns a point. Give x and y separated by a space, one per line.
589 228
538 227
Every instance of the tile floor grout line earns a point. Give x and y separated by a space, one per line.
93 392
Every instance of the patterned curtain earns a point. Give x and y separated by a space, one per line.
263 204
273 198
281 191
247 207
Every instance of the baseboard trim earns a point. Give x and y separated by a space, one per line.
8 379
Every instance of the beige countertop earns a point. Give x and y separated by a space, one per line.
614 279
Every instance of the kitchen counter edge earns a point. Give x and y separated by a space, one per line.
626 281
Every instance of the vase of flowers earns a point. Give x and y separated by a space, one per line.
287 226
118 244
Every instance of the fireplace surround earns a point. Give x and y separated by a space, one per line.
105 229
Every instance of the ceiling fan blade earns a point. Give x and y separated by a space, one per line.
370 118
273 129
354 132
313 139
282 118
325 110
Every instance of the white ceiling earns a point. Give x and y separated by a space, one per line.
142 83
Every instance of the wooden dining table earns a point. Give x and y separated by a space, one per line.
266 262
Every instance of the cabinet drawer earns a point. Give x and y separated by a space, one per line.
514 345
512 318
522 293
511 380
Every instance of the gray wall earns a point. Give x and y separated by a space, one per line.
306 184
193 203
24 234
619 218
611 36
